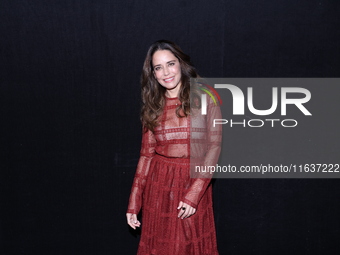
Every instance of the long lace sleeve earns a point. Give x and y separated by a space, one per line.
146 154
201 181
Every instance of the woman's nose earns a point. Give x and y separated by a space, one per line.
166 71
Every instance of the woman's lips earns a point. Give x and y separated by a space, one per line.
169 79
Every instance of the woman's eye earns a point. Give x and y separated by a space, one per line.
157 68
171 64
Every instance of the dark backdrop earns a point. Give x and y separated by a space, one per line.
70 131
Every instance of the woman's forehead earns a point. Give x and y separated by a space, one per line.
162 56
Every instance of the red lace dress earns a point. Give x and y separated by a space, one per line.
162 180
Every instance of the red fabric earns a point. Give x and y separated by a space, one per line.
162 180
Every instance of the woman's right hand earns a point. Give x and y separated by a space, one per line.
132 220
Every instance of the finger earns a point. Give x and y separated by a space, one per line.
180 208
193 210
190 212
181 212
186 212
135 222
131 224
132 220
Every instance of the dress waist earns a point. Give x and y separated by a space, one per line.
177 160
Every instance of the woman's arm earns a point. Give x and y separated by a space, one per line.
146 154
201 181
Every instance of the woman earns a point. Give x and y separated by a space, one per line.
177 210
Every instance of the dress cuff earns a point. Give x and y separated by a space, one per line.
133 211
190 203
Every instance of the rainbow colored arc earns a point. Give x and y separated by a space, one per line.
211 94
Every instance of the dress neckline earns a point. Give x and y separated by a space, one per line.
171 98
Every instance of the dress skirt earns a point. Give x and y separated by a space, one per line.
163 233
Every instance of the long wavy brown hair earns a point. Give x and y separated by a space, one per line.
153 94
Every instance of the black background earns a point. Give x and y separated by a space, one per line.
70 131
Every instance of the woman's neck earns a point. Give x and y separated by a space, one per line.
172 93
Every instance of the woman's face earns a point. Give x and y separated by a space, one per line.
167 71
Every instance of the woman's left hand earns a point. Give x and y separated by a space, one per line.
185 210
